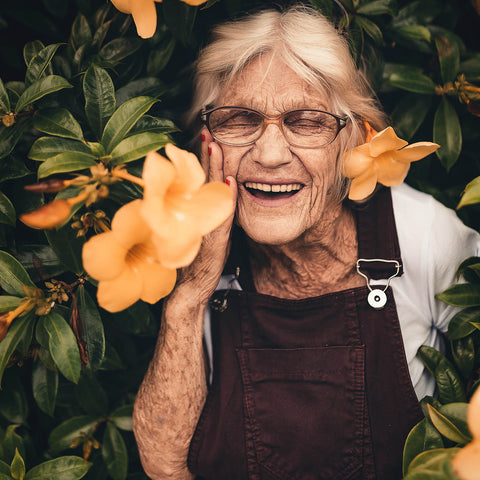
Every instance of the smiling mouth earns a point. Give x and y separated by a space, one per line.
267 191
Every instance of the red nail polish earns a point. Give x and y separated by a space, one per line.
203 137
209 150
227 181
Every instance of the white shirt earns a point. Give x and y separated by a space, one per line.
433 242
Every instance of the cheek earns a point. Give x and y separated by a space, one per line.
231 161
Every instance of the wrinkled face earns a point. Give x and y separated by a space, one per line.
283 191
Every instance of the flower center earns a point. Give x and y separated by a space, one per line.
140 252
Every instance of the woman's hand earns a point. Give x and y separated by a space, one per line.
203 275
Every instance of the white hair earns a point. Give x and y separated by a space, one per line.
307 43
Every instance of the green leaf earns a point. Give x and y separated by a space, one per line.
119 49
409 114
62 468
137 146
447 132
463 295
58 122
460 325
13 400
416 32
7 211
13 275
45 387
148 86
10 342
123 120
445 421
466 267
430 464
463 351
42 87
11 442
66 162
114 453
4 468
17 468
413 82
370 28
159 57
91 396
471 194
81 32
449 57
61 437
40 64
112 359
122 417
92 328
180 19
449 384
376 7
153 125
100 34
47 147
99 98
325 7
4 99
10 136
471 68
68 247
31 49
63 346
8 303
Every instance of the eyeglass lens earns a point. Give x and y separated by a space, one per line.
307 128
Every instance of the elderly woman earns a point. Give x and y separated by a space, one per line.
313 309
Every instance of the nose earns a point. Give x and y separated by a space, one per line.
272 150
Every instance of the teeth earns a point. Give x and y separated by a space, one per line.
267 187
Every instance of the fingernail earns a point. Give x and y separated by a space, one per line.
209 150
227 181
203 137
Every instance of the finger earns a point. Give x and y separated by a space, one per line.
227 224
215 167
204 155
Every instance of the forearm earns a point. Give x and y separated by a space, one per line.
173 391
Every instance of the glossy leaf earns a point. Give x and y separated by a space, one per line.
58 122
123 120
413 82
148 86
66 162
7 210
63 346
4 467
463 351
4 99
137 146
99 95
449 57
68 247
91 396
11 442
8 303
13 400
39 66
463 295
62 468
100 34
447 132
180 19
153 125
460 325
44 387
118 49
62 436
416 32
10 342
159 57
370 28
25 344
114 453
9 137
451 422
13 275
471 194
471 68
430 464
92 328
17 468
375 7
122 417
465 269
449 384
31 49
409 114
47 147
81 32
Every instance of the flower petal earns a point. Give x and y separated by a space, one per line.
128 225
144 15
178 251
158 175
191 2
124 6
190 175
466 462
415 151
384 141
363 185
103 257
390 172
121 292
357 161
157 281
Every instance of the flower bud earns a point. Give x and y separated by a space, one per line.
49 216
51 185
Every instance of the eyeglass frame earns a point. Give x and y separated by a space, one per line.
276 120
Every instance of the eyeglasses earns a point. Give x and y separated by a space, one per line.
240 126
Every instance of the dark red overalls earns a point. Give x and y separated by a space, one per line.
309 389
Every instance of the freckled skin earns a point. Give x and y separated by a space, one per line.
306 247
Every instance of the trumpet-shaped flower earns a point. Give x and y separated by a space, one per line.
179 207
384 158
144 13
125 262
466 463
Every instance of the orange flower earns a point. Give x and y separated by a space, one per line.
6 318
178 207
144 13
384 158
466 463
125 262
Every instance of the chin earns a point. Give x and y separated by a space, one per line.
273 233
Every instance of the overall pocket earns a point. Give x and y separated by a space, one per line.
304 410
